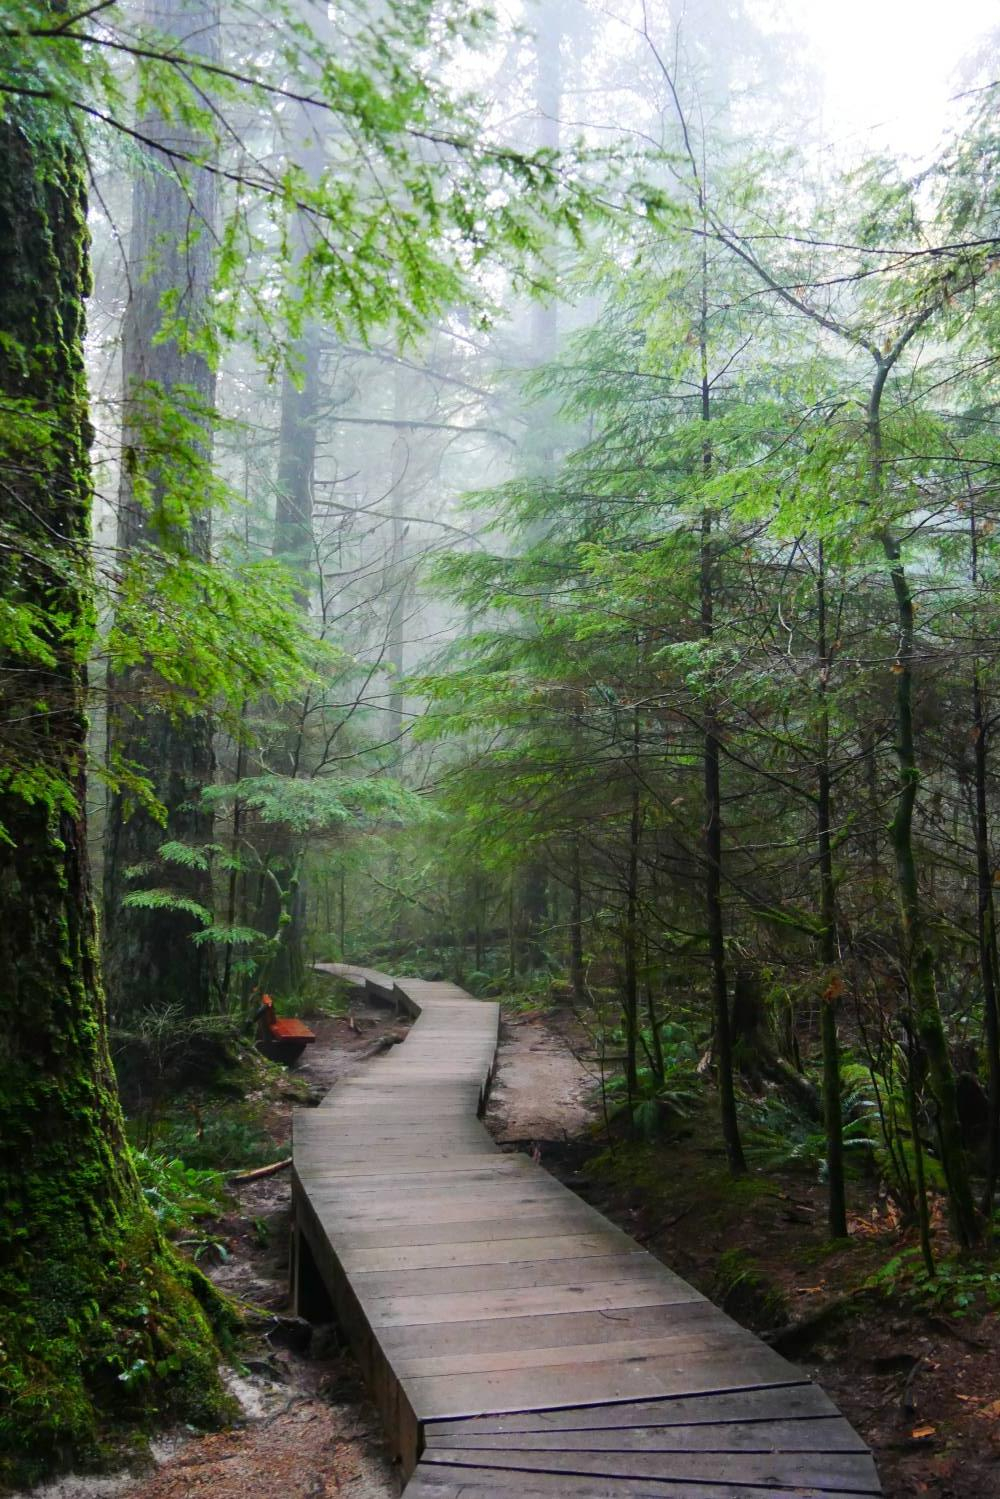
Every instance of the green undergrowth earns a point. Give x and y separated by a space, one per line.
102 1346
226 1136
744 1290
321 995
649 1171
222 1125
958 1288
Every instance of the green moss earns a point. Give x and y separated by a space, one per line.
93 1349
743 1290
103 1330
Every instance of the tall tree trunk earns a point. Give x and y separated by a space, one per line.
397 583
80 1256
549 31
918 953
150 961
630 946
833 1123
576 970
713 789
283 908
986 930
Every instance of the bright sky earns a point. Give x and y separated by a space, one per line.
891 64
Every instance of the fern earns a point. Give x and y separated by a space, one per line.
234 936
183 853
167 900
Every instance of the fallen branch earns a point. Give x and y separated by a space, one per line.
262 1171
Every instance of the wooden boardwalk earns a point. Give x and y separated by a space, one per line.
514 1339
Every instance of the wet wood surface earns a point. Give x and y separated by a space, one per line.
513 1338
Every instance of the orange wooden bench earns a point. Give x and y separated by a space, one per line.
280 1039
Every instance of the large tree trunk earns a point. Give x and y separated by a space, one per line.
87 1289
150 961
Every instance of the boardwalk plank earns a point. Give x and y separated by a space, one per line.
851 1472
800 1401
431 1481
485 1277
506 1326
819 1434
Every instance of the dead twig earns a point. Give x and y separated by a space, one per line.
260 1173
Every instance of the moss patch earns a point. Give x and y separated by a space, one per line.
747 1294
105 1346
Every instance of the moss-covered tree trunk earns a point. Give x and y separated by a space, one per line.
149 958
96 1316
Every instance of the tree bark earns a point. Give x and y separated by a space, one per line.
832 1114
989 965
81 1261
713 793
149 960
918 953
576 969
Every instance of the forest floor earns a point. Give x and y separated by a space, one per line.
308 1429
921 1384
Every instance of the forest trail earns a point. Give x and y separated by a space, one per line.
512 1337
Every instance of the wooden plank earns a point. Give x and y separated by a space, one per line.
798 1401
483 1230
819 1434
496 1252
545 1301
485 1277
689 1347
442 1208
849 1472
432 1481
526 1336
557 1384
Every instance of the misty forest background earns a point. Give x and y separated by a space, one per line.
491 498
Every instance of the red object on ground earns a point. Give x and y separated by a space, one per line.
281 1040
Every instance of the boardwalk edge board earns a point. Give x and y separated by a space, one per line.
494 1372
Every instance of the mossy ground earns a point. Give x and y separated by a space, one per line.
100 1350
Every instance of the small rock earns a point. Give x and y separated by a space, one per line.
293 1333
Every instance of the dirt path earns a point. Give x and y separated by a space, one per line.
543 1092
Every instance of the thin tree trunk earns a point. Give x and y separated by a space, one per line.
833 1123
989 966
630 945
713 793
918 953
576 969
